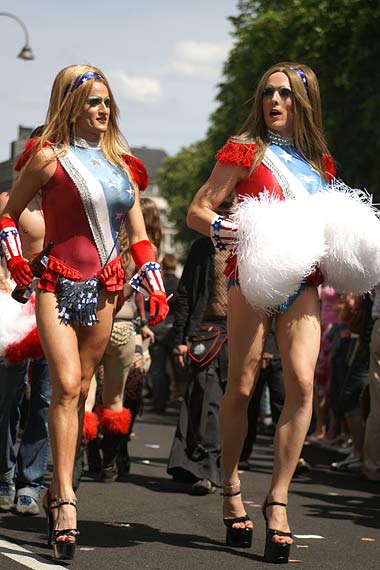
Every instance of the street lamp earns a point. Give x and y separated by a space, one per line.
26 52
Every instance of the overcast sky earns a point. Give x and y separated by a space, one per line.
163 59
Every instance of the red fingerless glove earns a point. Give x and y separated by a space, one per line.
148 281
11 246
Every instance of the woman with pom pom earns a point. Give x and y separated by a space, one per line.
23 466
280 157
90 184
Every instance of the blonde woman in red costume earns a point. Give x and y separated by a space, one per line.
90 184
281 141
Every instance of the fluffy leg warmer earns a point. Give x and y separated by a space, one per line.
90 426
113 422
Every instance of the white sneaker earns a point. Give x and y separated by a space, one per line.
351 464
203 487
26 505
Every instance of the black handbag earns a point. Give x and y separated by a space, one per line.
206 345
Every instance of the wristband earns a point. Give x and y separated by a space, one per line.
10 239
148 279
223 233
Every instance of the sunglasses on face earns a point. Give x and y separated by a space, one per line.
284 92
96 100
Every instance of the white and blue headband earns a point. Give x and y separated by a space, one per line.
301 75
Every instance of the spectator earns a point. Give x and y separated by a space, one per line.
371 452
22 472
200 347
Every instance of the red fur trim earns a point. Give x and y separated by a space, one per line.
329 164
90 426
114 422
236 153
30 147
28 347
138 171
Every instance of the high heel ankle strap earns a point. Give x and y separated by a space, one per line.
275 504
271 504
62 502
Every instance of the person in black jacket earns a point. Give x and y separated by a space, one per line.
200 348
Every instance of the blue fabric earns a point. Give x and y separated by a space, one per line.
285 305
28 468
299 167
117 188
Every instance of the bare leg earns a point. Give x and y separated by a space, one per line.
72 356
298 335
246 336
320 410
91 396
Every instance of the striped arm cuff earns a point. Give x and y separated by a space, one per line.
148 279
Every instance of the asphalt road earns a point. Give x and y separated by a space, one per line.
149 522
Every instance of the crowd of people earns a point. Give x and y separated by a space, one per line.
116 322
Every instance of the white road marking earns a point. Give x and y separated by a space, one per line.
25 557
308 536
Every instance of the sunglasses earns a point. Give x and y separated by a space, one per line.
284 92
96 100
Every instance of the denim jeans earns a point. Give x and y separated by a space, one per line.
26 468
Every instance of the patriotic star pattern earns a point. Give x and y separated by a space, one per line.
299 167
286 156
10 242
223 233
115 187
148 279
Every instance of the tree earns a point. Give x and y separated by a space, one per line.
339 39
179 179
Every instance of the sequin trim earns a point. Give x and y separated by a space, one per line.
88 205
281 179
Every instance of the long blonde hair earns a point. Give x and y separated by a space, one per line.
65 106
307 117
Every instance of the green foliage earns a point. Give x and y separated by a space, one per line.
179 179
339 39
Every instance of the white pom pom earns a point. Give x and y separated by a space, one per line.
279 244
16 320
352 233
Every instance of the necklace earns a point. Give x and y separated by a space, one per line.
82 143
276 138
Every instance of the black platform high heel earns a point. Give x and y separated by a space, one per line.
275 552
237 537
48 508
65 549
